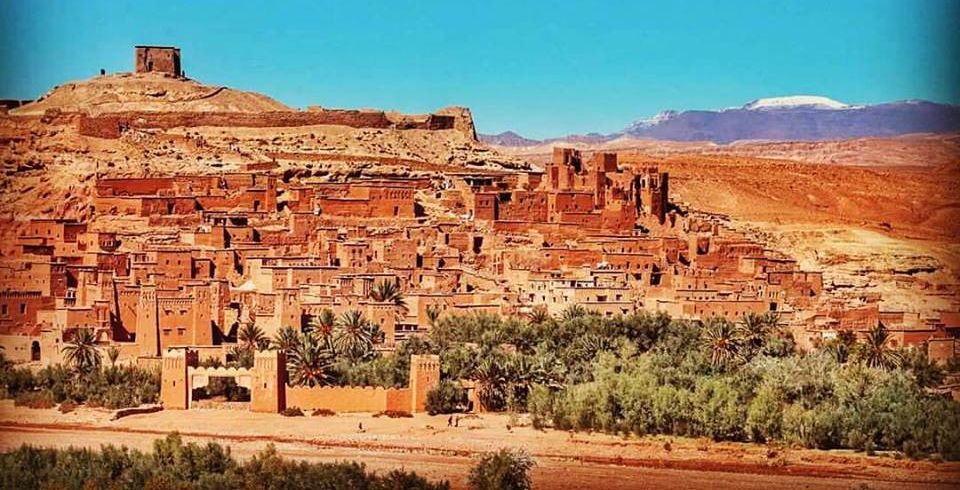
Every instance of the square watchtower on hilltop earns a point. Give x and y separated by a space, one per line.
163 59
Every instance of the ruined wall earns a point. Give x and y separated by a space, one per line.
112 125
161 59
523 206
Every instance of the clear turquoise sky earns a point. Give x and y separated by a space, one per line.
542 69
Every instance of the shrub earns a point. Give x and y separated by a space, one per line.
67 407
111 387
292 412
718 410
502 470
173 464
323 412
446 397
539 405
34 399
394 414
765 415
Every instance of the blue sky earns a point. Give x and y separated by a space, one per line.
542 69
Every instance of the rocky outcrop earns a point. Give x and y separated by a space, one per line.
463 120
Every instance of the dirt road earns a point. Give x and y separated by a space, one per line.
424 444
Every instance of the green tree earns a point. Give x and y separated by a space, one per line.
840 347
573 312
309 361
502 470
876 351
433 315
538 315
491 382
928 373
387 291
446 397
324 323
753 329
113 353
765 415
82 352
251 338
285 340
721 340
354 336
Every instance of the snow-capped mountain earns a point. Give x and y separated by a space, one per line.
801 118
661 117
795 102
797 117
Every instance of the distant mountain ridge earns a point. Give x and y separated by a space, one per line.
791 118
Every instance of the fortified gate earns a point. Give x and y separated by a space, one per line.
267 382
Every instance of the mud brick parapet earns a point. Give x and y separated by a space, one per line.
114 124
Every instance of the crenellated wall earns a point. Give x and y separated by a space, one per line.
349 398
112 125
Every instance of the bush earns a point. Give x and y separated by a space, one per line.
765 415
34 399
67 407
173 464
394 414
647 374
323 412
446 397
502 470
292 412
110 387
718 409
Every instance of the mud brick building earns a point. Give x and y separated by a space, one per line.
162 59
182 262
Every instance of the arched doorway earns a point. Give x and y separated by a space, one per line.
35 351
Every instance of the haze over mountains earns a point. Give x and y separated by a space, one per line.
780 118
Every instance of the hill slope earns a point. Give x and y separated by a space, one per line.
147 92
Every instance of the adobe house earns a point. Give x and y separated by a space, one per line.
163 59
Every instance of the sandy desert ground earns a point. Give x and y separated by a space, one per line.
425 444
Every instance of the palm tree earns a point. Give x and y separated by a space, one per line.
433 314
720 339
251 338
538 315
113 353
574 311
309 361
323 323
81 352
548 370
387 291
591 344
354 335
242 358
491 382
840 347
285 339
753 329
524 371
876 350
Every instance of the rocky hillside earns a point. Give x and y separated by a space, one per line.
147 92
49 166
